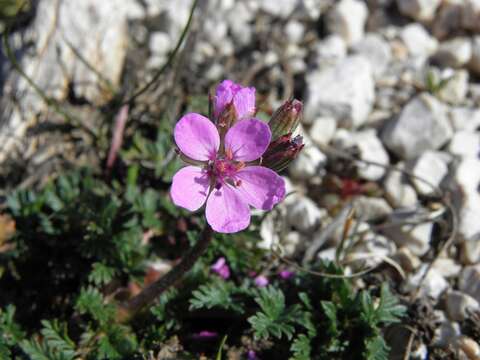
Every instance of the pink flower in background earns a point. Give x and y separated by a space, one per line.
221 268
242 98
261 281
224 179
286 274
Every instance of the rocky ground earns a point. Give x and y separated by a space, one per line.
392 110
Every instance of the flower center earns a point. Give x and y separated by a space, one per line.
223 170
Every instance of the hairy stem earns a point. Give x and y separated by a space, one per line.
151 292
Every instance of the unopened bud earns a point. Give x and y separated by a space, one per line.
286 118
226 119
282 151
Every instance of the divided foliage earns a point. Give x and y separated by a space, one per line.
83 243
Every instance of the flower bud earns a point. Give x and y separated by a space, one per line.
282 151
226 119
286 118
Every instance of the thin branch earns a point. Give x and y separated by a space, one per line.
151 292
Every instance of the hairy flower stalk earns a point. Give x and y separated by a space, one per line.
232 162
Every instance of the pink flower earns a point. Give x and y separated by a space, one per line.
261 281
223 177
221 268
242 98
286 274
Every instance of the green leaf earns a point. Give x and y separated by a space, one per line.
274 319
376 349
301 348
218 294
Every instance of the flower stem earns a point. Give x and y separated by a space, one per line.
151 292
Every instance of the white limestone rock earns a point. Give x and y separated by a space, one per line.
465 144
371 208
433 285
459 306
469 281
398 191
474 64
309 163
431 167
464 118
418 41
279 8
455 90
421 10
330 50
304 214
377 50
422 125
454 53
370 149
347 18
345 91
471 15
322 130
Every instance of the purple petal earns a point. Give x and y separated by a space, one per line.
218 264
261 187
224 95
197 137
248 139
286 274
226 210
190 187
261 281
244 102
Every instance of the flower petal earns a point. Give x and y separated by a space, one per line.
248 139
244 102
261 187
224 95
197 137
226 211
190 186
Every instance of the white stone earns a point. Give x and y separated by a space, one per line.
238 20
347 18
418 41
407 260
463 118
421 10
448 19
467 179
469 281
447 267
311 9
309 163
295 31
414 236
370 149
446 334
474 64
322 130
470 252
98 30
471 15
433 285
376 50
345 91
455 52
371 208
398 191
160 43
465 143
304 214
422 125
470 349
431 167
279 8
331 49
455 89
459 306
